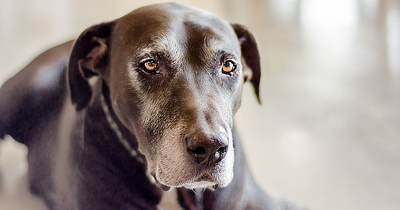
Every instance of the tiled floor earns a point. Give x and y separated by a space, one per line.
328 131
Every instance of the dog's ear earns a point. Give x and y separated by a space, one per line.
250 56
89 57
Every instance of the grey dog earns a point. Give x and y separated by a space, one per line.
136 107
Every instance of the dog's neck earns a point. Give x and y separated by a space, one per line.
108 157
114 126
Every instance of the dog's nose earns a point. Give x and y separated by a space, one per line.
207 149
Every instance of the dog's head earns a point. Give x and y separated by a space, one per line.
175 77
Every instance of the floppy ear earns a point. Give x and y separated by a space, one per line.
250 56
89 57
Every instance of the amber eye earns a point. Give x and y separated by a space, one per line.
150 65
228 67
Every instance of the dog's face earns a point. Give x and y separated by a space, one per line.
175 77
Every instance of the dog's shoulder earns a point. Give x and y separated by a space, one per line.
34 93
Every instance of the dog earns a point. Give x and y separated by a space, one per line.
137 113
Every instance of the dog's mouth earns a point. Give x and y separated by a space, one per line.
159 185
203 181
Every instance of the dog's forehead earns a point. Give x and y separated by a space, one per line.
177 29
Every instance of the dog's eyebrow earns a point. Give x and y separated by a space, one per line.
214 44
171 44
175 50
215 48
167 45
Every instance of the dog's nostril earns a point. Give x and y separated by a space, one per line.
221 150
198 151
220 154
205 149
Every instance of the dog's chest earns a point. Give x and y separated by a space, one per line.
169 201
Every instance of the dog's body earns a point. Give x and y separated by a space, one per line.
169 82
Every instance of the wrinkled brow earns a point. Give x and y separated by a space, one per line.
166 45
176 50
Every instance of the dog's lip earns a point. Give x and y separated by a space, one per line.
159 185
204 177
212 184
201 184
163 187
202 181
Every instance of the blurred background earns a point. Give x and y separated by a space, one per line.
328 131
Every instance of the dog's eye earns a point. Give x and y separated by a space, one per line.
228 67
150 65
